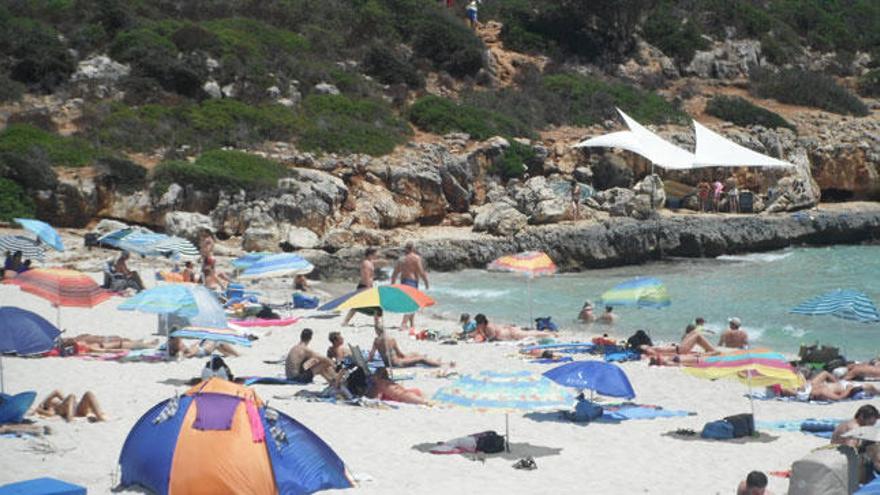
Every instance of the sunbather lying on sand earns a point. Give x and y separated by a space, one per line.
490 332
862 371
665 354
398 359
384 389
103 343
202 348
826 386
67 407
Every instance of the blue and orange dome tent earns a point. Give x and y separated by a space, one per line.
219 437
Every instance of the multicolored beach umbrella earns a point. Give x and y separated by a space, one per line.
44 232
61 287
848 304
175 247
597 376
278 265
531 264
227 335
28 247
505 392
220 437
755 367
397 298
641 292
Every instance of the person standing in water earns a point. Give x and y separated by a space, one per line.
368 270
411 269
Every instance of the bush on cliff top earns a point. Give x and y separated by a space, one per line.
744 113
442 115
869 84
801 87
221 170
14 201
62 151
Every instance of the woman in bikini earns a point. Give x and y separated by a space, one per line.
382 388
489 332
389 350
682 354
56 404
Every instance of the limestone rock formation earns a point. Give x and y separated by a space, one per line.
499 219
187 224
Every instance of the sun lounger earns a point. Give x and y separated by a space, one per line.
42 486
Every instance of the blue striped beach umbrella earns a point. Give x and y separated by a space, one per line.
175 247
227 335
142 243
193 302
506 392
44 232
28 247
848 304
641 292
248 259
278 265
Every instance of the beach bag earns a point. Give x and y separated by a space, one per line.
717 430
637 340
832 365
743 425
217 367
825 472
303 301
546 324
490 442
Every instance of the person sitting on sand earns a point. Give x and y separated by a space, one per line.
866 415
689 341
211 281
825 386
734 336
397 358
301 283
303 364
490 332
56 404
754 484
862 371
608 317
586 315
202 348
382 388
121 267
338 351
188 274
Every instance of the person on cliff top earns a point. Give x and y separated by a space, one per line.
367 271
410 269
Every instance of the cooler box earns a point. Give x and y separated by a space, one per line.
42 486
825 472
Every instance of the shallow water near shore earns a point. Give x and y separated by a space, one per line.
759 288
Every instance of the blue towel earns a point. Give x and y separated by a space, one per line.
872 488
627 355
270 380
564 359
566 348
634 411
822 428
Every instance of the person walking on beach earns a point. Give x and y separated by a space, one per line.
866 415
368 271
410 269
734 336
472 14
754 484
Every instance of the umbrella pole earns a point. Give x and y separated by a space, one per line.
58 316
751 399
507 431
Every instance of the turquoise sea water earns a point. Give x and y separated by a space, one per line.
758 288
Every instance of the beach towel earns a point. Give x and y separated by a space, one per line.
628 411
50 486
626 355
763 395
872 488
283 322
268 380
822 428
564 359
565 348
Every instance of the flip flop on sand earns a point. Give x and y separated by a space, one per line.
526 463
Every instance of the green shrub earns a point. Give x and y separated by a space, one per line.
221 170
125 175
14 201
676 38
31 169
388 67
36 56
448 43
869 84
515 160
61 151
10 90
800 87
338 124
744 113
441 115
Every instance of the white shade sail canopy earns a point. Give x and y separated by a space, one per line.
645 143
714 150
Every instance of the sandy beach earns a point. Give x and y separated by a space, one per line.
380 446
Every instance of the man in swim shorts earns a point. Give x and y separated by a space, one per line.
303 364
411 269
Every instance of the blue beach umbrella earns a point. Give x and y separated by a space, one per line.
248 259
505 392
278 265
44 232
193 302
23 332
227 335
641 292
596 376
843 303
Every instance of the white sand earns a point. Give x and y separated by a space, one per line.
630 457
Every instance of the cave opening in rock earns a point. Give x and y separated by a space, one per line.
834 195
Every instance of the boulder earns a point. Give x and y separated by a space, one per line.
420 182
611 171
336 239
300 238
652 187
499 219
100 67
323 88
260 238
540 202
791 194
615 200
212 89
730 59
188 225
